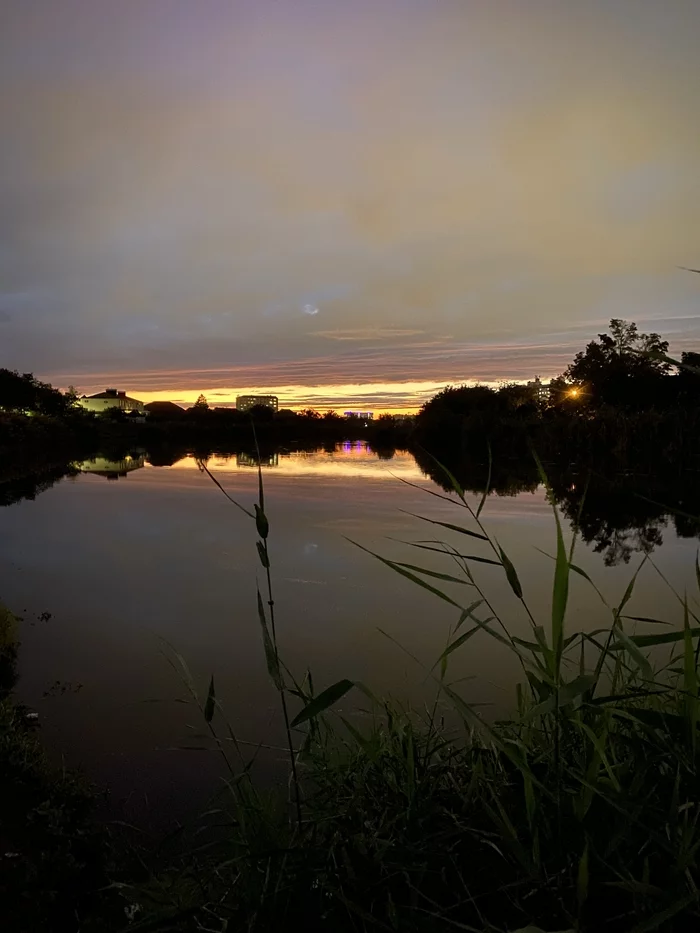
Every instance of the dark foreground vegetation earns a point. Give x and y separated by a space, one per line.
579 812
54 855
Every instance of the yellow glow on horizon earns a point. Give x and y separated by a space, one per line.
343 396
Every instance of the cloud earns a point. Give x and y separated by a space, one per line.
366 333
176 190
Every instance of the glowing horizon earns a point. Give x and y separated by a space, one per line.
360 396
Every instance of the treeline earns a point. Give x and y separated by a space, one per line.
622 397
200 424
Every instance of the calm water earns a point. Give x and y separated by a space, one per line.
134 562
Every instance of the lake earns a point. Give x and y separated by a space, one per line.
136 562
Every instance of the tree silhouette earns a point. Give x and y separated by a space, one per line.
261 413
201 404
622 368
24 394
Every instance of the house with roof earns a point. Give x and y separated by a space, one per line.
111 398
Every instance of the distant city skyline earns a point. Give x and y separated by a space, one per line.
346 203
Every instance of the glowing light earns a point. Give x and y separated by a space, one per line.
574 393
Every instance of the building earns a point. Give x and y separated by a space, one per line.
364 415
246 402
539 389
164 411
244 459
111 398
112 469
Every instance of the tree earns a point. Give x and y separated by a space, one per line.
261 413
690 364
518 398
309 413
201 404
23 393
689 378
462 401
71 396
623 368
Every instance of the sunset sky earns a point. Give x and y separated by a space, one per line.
349 202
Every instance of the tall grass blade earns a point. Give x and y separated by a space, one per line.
445 550
666 638
210 704
581 572
458 642
434 573
473 718
205 469
448 525
453 481
273 667
630 589
511 573
262 554
261 522
407 573
641 660
565 695
323 701
261 488
690 680
466 613
487 487
560 592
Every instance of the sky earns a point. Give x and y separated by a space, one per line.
351 203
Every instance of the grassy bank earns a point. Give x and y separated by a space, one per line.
580 812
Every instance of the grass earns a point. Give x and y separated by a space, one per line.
580 812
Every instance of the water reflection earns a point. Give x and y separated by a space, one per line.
113 469
350 459
15 486
618 515
246 459
160 559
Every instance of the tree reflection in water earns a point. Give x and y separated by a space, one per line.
618 513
